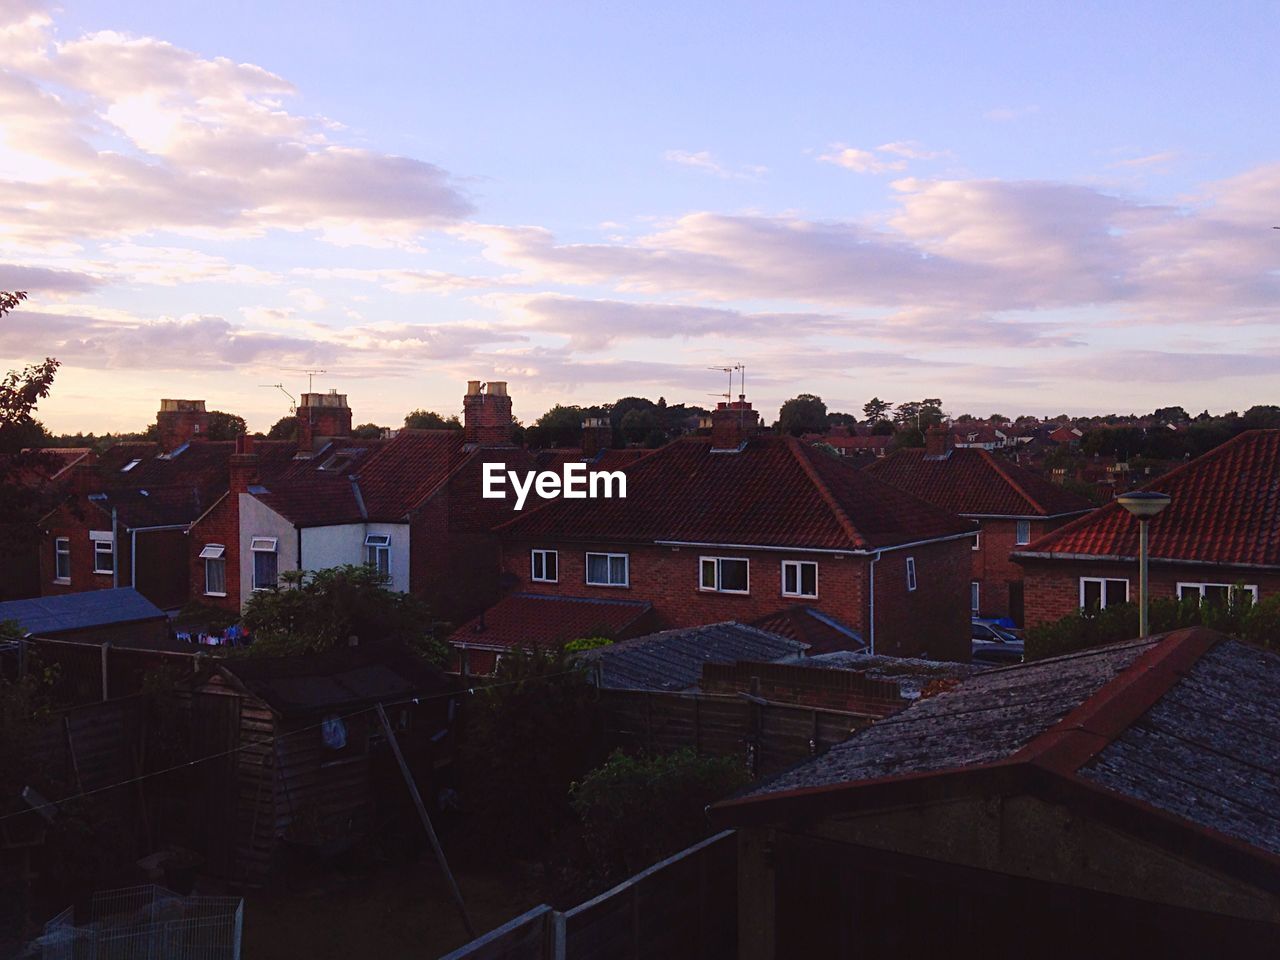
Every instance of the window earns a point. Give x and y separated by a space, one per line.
266 572
607 569
1218 594
724 575
911 573
975 590
104 560
1023 536
62 559
129 466
215 569
545 566
977 541
1098 593
799 578
377 552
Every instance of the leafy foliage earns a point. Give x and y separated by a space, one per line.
429 420
367 431
587 643
286 428
561 426
637 810
803 414
876 409
322 609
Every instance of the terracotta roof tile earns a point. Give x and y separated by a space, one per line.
775 491
533 621
1225 509
974 482
408 469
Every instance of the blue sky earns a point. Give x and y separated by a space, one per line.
1023 208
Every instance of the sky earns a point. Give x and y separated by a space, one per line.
1019 208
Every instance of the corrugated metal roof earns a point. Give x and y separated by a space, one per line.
49 616
673 659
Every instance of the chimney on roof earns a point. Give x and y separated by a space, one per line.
597 435
321 418
732 423
243 466
180 421
486 414
937 443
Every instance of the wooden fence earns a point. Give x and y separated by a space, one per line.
684 908
768 736
88 672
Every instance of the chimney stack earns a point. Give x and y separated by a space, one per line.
733 423
937 443
322 417
180 421
243 466
597 435
486 414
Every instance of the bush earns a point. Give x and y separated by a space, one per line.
637 810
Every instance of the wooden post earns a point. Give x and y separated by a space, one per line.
71 754
106 687
697 724
426 820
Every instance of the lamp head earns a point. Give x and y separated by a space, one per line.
1144 504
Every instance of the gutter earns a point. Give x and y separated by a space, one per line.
848 551
1116 558
1026 516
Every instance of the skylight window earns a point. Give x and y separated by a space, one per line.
130 465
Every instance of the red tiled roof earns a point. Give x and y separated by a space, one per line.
776 491
1225 509
530 621
407 470
822 632
974 482
313 501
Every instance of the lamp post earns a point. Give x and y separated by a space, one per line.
1143 504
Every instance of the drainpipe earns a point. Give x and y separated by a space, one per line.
871 626
115 553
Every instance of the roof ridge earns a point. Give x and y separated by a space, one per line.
824 491
1009 479
1099 719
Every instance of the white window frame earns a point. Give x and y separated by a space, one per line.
799 591
1102 594
1250 588
719 577
1018 539
264 545
61 548
534 556
377 545
103 537
912 582
129 466
975 595
977 541
626 569
214 553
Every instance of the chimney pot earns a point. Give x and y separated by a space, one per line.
486 416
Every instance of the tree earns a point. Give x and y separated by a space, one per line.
876 409
367 431
920 414
322 609
803 414
286 428
429 420
561 426
225 426
638 424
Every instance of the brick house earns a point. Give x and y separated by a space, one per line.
737 526
1221 530
1011 506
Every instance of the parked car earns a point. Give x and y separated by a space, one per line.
994 644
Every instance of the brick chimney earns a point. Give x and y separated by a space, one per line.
486 414
937 443
180 421
243 466
321 418
597 435
732 423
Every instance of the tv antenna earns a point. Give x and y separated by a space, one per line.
310 375
293 401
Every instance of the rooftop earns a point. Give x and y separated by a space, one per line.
49 616
530 621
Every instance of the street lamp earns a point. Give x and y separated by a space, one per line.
1143 504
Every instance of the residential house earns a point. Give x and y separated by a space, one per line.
1220 532
35 478
1011 507
1095 804
738 525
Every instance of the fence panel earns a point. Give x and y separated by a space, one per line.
527 937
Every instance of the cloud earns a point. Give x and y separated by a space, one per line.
860 161
1150 160
399 280
703 160
113 136
911 150
46 280
1009 114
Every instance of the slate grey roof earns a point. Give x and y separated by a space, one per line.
49 616
1209 750
673 659
987 718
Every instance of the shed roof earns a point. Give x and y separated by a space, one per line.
820 631
532 621
673 659
49 616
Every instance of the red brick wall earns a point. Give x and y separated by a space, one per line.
74 521
1053 586
220 525
846 690
932 620
992 567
